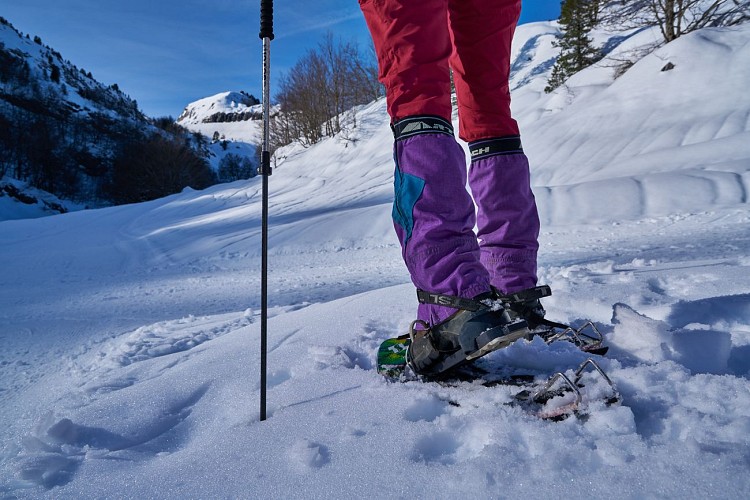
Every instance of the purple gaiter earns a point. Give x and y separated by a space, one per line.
434 215
507 218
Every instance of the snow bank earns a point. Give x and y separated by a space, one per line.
649 142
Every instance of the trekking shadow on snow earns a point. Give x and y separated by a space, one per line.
731 312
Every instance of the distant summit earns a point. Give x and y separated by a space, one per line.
221 108
232 116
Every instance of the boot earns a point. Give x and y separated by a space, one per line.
479 326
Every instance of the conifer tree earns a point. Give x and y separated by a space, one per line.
577 19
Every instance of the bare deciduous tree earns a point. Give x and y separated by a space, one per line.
677 17
147 168
320 88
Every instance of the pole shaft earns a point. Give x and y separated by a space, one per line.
264 301
266 33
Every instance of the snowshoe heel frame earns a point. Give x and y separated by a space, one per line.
552 388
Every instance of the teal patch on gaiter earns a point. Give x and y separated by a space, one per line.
408 188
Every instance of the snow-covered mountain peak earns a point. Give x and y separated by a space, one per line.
231 115
59 87
225 106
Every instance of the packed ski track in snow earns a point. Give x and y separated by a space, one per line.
130 360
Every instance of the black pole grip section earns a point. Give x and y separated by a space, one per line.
265 164
266 19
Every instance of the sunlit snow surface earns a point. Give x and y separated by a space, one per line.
130 358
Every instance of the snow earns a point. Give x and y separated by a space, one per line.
13 209
236 137
66 93
130 360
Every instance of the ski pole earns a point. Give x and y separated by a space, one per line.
266 34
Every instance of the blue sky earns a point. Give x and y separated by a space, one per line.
168 53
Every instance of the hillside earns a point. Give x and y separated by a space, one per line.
231 121
131 352
58 125
63 132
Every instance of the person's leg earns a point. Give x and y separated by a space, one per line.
507 219
412 45
482 33
433 213
434 216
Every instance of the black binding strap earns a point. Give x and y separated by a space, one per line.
538 292
415 125
448 301
554 324
497 146
520 297
519 301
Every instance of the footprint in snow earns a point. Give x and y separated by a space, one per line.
278 377
452 445
162 339
428 409
326 357
53 454
305 455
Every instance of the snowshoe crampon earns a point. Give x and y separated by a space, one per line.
526 305
564 395
587 337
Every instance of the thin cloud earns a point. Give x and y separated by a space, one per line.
316 24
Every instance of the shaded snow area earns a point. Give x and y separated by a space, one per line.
131 337
18 200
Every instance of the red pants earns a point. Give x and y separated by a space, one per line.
416 41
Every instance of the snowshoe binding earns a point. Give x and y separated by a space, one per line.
479 326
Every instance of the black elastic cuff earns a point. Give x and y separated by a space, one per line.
416 125
485 148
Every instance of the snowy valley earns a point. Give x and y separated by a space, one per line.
130 360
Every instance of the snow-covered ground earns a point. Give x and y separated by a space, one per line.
130 360
18 200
